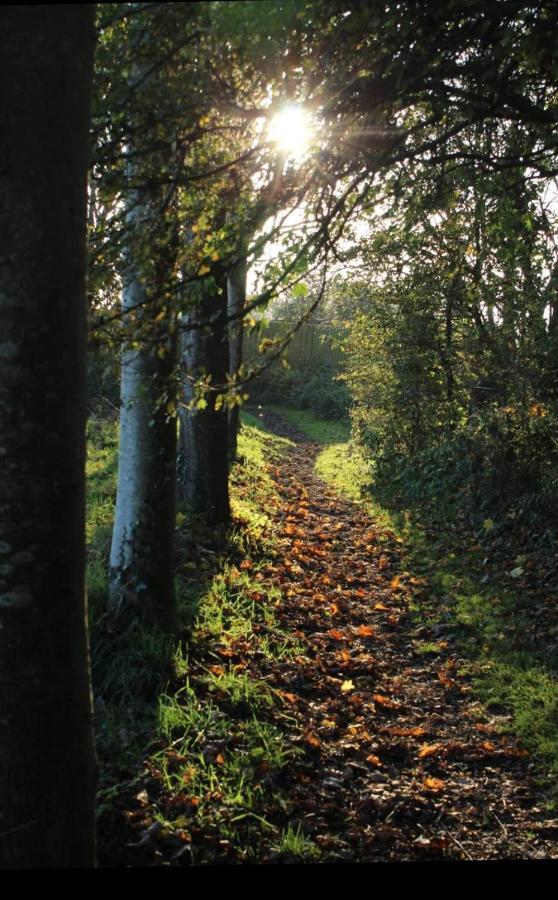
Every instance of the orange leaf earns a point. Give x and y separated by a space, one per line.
384 701
375 760
399 731
334 609
292 698
291 529
429 750
445 679
220 759
337 635
489 746
394 583
433 784
312 739
246 564
365 630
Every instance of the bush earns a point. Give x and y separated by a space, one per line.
314 387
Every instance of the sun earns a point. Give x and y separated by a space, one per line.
290 131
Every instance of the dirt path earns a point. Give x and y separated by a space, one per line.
401 763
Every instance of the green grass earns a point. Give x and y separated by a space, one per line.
324 431
206 729
294 843
490 618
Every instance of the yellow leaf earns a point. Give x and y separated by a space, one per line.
347 686
203 270
433 784
488 524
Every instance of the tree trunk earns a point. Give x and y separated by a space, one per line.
47 760
204 475
141 581
236 301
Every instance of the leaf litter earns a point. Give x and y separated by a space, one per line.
397 761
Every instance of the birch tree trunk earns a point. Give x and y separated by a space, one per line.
204 473
236 302
47 760
141 579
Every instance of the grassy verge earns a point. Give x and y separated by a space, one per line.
192 735
467 592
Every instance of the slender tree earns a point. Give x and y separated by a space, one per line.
47 761
203 415
236 302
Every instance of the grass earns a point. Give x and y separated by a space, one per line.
490 617
193 713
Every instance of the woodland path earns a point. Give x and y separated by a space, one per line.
401 762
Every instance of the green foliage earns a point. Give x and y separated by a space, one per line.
314 386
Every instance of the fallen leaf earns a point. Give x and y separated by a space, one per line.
347 686
337 635
429 750
384 701
375 760
312 739
399 731
433 784
292 698
365 631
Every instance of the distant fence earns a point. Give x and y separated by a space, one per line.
313 342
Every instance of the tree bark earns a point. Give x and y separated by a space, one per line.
236 302
141 579
204 475
47 760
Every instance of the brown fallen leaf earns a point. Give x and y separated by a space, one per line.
384 701
337 635
375 760
312 739
365 631
399 731
429 750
